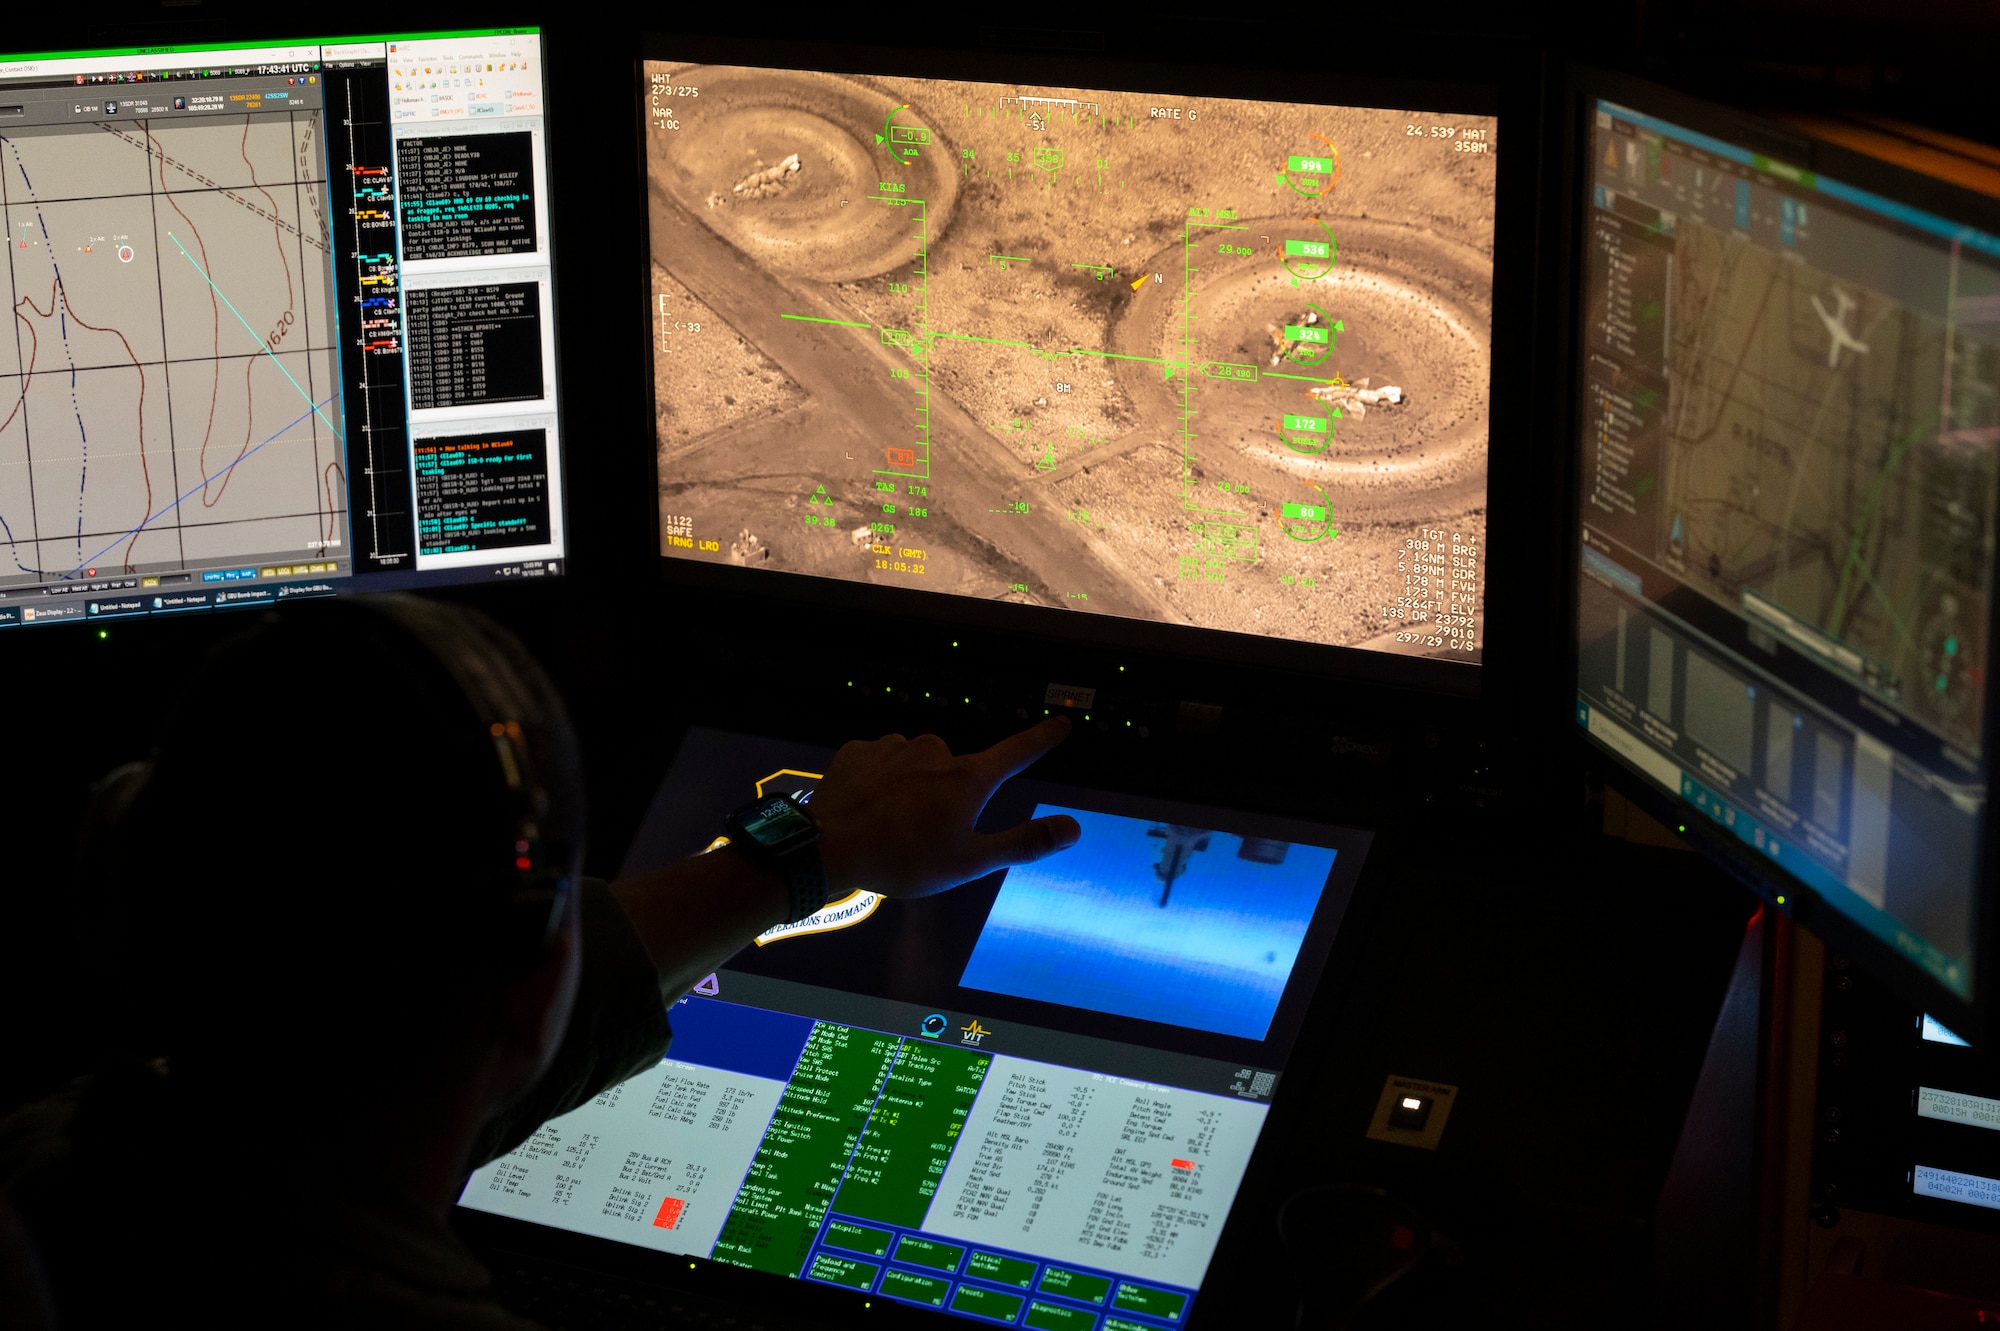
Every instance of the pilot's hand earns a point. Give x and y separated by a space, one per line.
896 814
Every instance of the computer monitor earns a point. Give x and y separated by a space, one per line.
1030 1100
283 323
1787 412
1201 358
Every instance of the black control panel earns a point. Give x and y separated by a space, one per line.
1907 1116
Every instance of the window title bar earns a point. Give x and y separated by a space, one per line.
1970 237
216 54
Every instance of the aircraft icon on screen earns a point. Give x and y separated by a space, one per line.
1181 844
1835 320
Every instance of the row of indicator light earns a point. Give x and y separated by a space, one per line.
1682 829
891 688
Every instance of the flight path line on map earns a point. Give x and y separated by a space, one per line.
126 535
1836 620
261 345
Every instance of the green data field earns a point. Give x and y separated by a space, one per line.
858 1238
987 1303
1055 1317
924 1252
1148 1301
1001 1270
840 1271
920 1289
805 1150
1075 1285
910 1133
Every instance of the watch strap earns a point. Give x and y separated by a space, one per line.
805 880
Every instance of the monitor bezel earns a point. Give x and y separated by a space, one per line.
1779 890
1239 1272
1452 80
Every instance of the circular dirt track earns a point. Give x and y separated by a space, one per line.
1414 313
817 222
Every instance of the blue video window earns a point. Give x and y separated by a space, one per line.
1154 920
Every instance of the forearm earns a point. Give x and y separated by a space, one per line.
695 914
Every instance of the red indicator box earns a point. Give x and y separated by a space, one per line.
670 1213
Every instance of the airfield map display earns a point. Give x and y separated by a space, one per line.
1189 360
1790 411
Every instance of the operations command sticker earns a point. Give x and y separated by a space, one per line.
851 909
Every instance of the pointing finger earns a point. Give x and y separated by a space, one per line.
1015 752
1028 842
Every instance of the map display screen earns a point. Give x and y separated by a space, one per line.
1189 360
282 323
1790 415
970 1103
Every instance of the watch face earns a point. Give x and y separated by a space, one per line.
774 822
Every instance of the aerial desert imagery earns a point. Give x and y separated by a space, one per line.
1189 360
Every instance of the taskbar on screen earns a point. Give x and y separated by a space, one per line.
130 596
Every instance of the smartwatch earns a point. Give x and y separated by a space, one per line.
777 831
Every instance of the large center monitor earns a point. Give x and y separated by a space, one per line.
1145 354
1030 1101
283 323
1789 409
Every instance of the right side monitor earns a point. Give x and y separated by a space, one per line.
1788 415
